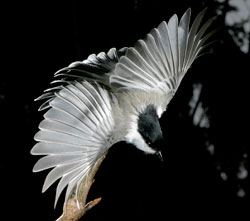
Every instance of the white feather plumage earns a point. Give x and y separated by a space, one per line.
164 55
73 134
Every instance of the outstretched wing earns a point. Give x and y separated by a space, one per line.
159 61
74 133
163 57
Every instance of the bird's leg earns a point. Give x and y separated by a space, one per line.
76 207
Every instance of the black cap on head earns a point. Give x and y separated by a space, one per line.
150 129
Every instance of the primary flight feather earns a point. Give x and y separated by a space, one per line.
118 96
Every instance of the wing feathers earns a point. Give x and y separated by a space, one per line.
66 178
127 67
75 115
59 171
137 58
164 57
96 68
56 160
191 36
173 37
164 33
183 35
143 49
63 116
51 125
151 44
46 148
74 133
61 137
168 52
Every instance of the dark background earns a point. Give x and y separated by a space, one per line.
205 168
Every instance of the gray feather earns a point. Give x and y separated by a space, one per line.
183 36
142 48
168 50
66 178
173 36
191 37
45 148
59 171
74 133
56 160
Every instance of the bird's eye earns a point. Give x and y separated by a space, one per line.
148 143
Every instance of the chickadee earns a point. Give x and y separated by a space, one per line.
112 97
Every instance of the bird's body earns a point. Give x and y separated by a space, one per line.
118 96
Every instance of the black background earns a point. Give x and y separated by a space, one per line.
41 37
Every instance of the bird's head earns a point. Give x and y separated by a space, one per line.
145 132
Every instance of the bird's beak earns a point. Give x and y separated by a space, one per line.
158 153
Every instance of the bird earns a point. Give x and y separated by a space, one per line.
115 96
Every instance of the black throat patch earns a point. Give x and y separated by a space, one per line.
149 127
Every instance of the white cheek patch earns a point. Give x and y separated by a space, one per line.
159 111
136 139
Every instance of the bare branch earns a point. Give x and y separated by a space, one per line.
73 210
